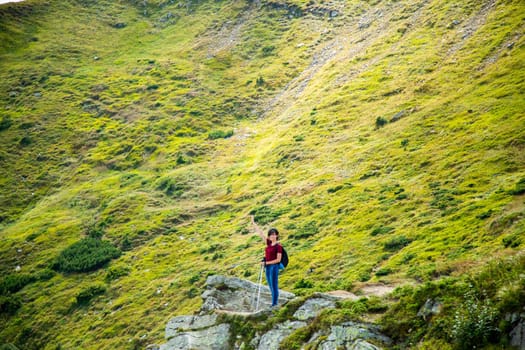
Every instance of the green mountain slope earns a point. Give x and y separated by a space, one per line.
385 139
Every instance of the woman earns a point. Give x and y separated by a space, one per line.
272 259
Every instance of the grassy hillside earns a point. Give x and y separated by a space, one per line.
385 139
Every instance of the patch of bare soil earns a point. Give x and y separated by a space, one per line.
379 290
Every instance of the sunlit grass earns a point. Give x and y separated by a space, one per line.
110 128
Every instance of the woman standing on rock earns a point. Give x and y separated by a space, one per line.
272 259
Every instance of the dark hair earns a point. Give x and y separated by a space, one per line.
273 230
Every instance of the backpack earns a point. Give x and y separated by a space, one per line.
284 258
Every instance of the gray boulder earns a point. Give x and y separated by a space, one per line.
229 295
272 339
189 323
430 308
234 294
313 307
212 338
518 335
352 336
398 116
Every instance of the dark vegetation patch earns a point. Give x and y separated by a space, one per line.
519 188
219 134
88 254
85 296
396 243
265 214
305 231
474 308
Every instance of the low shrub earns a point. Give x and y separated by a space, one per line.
10 304
171 187
468 318
335 189
303 284
14 282
220 134
381 230
5 123
396 243
307 230
86 295
86 255
264 214
380 122
512 241
383 271
473 323
519 189
115 272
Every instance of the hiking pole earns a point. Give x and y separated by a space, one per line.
254 298
259 289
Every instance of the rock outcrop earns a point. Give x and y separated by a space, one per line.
236 295
232 297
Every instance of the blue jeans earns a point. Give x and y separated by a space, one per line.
272 277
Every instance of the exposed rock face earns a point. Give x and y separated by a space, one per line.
431 307
518 335
202 332
189 323
313 307
233 294
351 336
272 339
206 331
212 338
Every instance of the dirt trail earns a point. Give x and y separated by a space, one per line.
378 290
472 25
351 40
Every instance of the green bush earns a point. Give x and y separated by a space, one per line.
335 189
303 284
25 141
264 214
268 50
381 230
5 123
307 230
220 134
473 322
260 81
14 282
383 271
115 272
9 304
519 189
8 346
397 243
171 187
512 241
85 255
380 122
86 295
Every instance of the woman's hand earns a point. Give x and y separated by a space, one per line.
257 228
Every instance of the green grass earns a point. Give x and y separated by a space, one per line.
161 127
